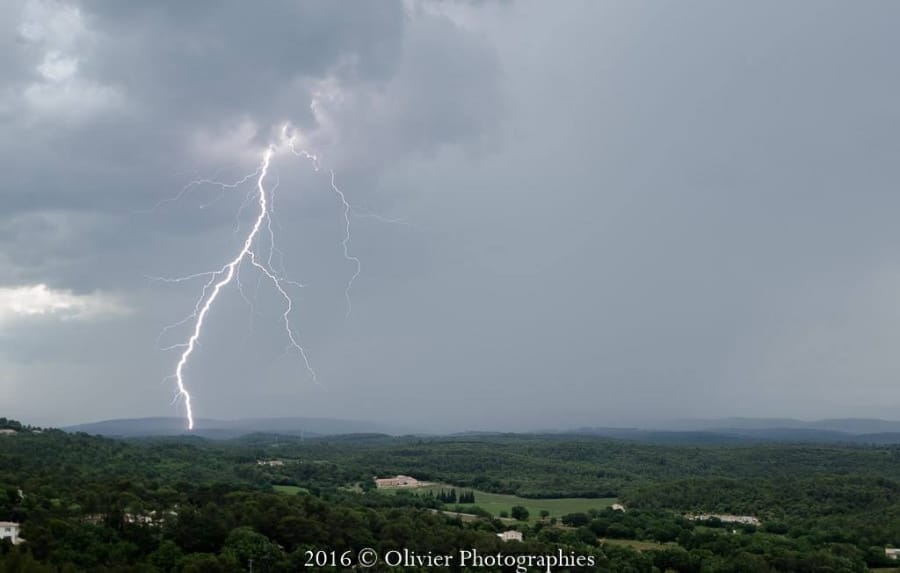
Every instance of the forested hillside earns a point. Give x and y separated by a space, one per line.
190 505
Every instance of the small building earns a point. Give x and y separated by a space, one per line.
94 518
10 530
271 463
7 432
510 535
892 553
138 519
396 481
725 518
617 507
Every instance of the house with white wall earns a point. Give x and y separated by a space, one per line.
10 530
397 481
510 535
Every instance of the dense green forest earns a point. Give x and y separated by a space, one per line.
186 505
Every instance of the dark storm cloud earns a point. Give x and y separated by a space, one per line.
169 69
203 61
610 212
149 84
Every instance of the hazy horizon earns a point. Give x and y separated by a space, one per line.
397 427
566 214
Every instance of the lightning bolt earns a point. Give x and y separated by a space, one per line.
345 241
222 277
219 279
345 244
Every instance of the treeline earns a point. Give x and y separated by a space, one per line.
578 466
6 424
450 497
686 547
864 511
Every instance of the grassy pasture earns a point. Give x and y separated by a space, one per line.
290 489
496 502
639 545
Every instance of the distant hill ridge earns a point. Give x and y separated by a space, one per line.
721 431
224 429
843 425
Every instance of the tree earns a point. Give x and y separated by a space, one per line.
244 544
519 512
201 563
166 555
576 519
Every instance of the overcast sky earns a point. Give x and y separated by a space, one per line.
566 213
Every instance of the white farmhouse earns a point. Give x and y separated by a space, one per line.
510 535
396 481
10 530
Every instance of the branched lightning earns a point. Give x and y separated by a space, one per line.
345 241
361 213
223 187
250 253
222 277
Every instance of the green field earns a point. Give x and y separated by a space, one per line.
496 502
639 545
290 489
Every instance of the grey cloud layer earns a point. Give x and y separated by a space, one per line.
619 212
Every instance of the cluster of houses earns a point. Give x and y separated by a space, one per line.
725 518
151 519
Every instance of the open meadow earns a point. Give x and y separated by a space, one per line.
496 503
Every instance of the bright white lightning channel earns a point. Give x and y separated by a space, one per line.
225 275
230 272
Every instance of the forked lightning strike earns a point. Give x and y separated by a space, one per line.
230 272
225 275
